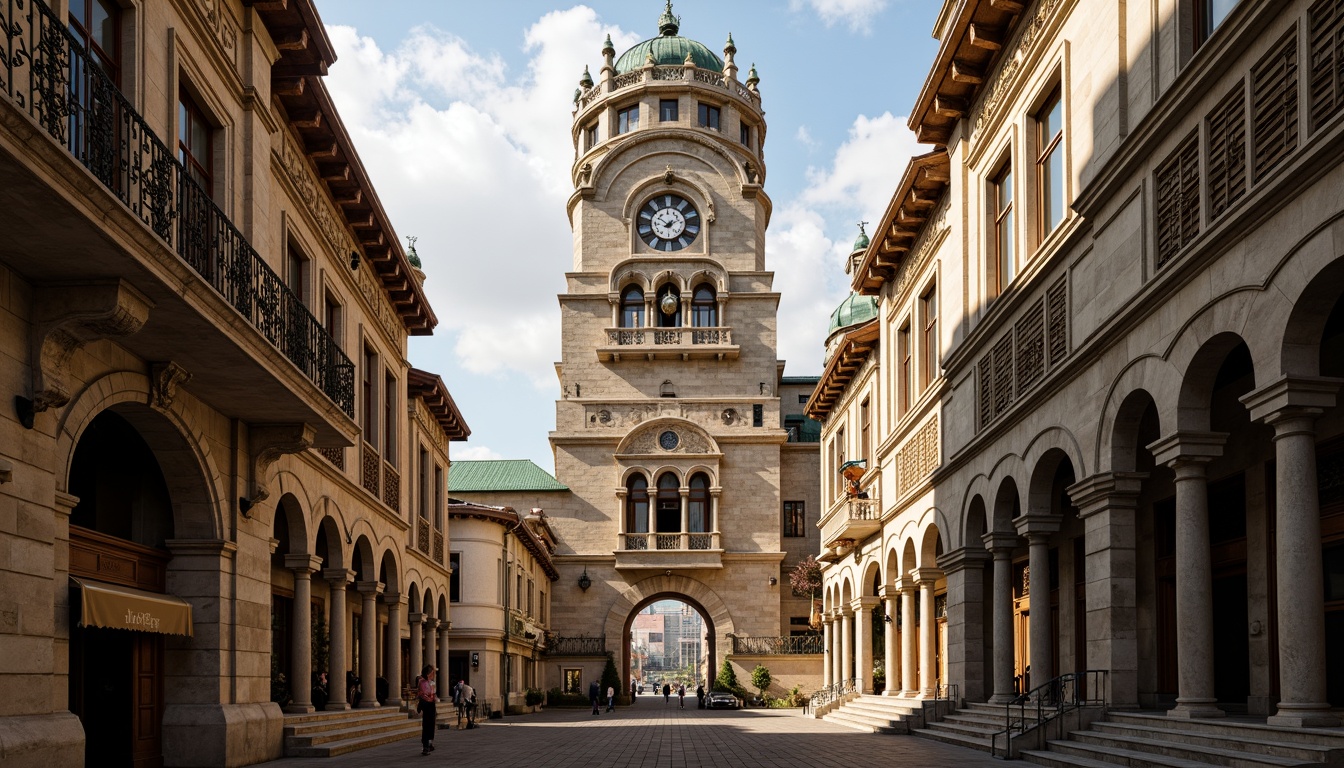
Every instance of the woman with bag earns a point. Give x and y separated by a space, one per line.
426 697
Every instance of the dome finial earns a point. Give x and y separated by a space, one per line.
608 46
587 80
729 47
667 23
861 242
411 255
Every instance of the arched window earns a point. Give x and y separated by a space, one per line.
704 307
699 504
669 503
632 307
669 307
637 504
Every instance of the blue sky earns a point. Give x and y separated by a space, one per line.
461 112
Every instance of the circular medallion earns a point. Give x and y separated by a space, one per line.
668 440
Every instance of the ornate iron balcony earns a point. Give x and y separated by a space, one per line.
778 646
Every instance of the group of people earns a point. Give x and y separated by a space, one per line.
427 698
595 695
681 695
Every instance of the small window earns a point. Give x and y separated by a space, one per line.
297 268
704 307
455 579
1050 164
96 24
697 505
709 116
573 681
637 504
1004 260
331 318
368 395
195 142
928 304
802 399
590 137
757 415
1209 15
422 468
865 425
438 499
389 418
667 110
904 377
632 307
794 518
627 119
744 132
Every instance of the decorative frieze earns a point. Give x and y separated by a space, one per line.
1028 37
624 416
913 266
222 27
919 456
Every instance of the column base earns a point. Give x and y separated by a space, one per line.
893 694
299 709
1304 716
1002 698
1191 709
369 704
336 706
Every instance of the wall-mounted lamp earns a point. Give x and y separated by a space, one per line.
584 581
773 581
475 659
354 260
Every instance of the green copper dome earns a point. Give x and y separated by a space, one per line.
668 48
853 311
861 242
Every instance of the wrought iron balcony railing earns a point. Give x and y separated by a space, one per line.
576 646
664 542
778 646
45 72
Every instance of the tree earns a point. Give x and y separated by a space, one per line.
805 578
727 681
760 679
611 678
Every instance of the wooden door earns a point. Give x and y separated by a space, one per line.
147 701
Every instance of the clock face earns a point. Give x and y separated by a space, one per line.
668 223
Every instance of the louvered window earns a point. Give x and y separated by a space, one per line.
1327 61
1177 182
1227 151
986 389
1003 374
1030 333
1057 321
1274 94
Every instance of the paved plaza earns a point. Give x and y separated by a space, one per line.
651 734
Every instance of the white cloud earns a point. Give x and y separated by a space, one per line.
866 167
856 14
804 136
476 453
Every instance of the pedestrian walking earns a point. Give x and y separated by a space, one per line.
427 698
681 696
634 690
700 696
667 691
594 696
611 698
469 703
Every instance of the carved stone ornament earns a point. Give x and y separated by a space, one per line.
728 416
664 436
668 175
164 380
269 443
585 173
752 175
70 316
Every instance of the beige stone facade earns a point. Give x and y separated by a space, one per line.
203 340
1116 444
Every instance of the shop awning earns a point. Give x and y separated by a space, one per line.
118 607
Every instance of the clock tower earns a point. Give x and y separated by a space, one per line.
677 434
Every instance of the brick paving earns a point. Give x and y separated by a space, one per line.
650 734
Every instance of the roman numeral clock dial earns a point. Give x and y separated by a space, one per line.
668 223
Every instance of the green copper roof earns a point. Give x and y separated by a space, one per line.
668 48
861 242
500 475
852 311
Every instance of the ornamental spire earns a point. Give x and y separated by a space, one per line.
667 23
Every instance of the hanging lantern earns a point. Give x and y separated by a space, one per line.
668 303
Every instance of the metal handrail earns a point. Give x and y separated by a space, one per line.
1051 700
833 692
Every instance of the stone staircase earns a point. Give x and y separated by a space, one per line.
1151 739
327 734
969 726
878 714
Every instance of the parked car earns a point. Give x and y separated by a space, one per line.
721 700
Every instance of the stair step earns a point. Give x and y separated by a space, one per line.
969 729
332 749
1252 743
340 714
371 729
953 737
1325 737
862 724
335 724
1142 759
1059 760
1217 755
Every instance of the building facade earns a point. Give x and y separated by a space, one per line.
220 479
1106 366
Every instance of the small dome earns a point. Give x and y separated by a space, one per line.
852 311
668 48
861 242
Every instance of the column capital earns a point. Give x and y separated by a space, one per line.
845 612
924 576
339 576
1292 397
1036 524
864 603
1185 448
415 618
394 598
443 628
1106 490
308 564
429 621
374 588
962 558
907 585
1001 543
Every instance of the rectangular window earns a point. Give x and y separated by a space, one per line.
424 483
802 399
757 415
1209 14
1050 163
794 517
1004 260
573 681
627 119
667 110
590 137
865 421
929 309
368 396
903 377
389 418
455 578
96 24
438 497
745 134
296 272
709 116
195 142
331 318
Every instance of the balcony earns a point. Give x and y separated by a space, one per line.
668 344
92 194
663 551
777 646
852 519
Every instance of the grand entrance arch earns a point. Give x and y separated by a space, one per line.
719 624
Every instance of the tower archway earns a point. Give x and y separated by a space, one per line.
713 612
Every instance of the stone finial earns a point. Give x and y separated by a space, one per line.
753 79
729 48
668 25
586 80
608 49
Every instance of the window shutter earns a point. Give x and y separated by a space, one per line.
1056 303
1274 104
1003 374
1327 61
1030 333
1227 151
986 389
1177 183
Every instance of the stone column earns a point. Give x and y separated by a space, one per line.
828 655
443 682
927 578
891 646
964 569
430 624
1001 545
863 609
908 632
846 644
392 646
1106 505
1291 407
685 517
301 646
368 643
620 515
1037 527
337 692
1188 453
417 643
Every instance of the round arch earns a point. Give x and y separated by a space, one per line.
719 622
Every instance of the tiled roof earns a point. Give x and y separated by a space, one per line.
500 475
